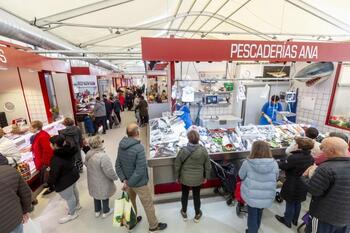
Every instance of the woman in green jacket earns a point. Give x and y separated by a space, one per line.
192 169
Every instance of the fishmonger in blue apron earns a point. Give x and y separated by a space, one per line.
270 110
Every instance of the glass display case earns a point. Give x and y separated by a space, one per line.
339 111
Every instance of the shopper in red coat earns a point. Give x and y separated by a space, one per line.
41 149
121 100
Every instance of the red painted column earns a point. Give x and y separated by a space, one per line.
45 96
72 95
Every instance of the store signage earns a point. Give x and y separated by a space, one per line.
273 51
174 49
3 58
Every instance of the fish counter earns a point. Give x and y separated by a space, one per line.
167 135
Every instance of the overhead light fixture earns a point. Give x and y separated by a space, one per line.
330 38
274 37
203 35
117 32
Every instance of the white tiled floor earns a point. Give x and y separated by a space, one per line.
218 217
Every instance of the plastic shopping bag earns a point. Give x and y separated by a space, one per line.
118 212
130 215
31 227
124 212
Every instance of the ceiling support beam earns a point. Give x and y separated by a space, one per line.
80 11
228 17
212 16
142 28
314 11
162 21
81 52
195 20
177 11
184 18
100 58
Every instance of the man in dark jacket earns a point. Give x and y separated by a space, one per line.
117 108
15 199
329 186
294 191
131 167
109 109
143 109
100 115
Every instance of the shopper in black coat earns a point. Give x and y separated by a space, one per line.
294 191
64 175
329 186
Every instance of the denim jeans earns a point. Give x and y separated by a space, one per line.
101 205
292 211
317 226
71 196
18 229
254 219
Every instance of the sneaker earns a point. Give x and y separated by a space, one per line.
184 215
139 219
105 215
198 217
48 191
68 218
97 214
160 227
283 221
78 207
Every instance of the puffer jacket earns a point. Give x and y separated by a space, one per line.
63 172
293 188
131 164
192 165
15 197
259 179
330 190
100 109
100 174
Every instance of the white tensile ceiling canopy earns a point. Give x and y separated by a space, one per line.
118 25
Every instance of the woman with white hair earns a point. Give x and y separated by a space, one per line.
100 176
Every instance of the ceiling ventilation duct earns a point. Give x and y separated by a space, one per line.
14 28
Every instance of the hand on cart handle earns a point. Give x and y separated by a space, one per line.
205 181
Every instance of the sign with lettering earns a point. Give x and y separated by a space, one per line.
171 49
3 58
273 51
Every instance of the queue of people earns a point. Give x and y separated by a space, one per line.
327 182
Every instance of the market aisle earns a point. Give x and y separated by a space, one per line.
218 217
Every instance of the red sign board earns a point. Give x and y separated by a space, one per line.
11 57
170 49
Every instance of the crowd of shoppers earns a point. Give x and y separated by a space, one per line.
320 169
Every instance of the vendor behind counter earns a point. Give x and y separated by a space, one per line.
269 111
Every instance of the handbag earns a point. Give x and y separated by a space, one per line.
24 169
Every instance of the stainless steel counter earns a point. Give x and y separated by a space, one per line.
164 167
